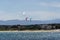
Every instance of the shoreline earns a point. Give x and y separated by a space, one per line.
58 30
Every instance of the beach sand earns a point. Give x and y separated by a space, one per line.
58 30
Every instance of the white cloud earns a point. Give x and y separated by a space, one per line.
8 16
43 15
35 15
50 4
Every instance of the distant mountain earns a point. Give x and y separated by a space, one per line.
23 22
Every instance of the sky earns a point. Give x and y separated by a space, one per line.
35 9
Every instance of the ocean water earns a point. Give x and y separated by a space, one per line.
29 35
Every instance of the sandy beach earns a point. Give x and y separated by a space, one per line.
58 30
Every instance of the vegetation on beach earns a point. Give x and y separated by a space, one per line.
30 27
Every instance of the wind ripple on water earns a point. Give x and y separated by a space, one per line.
29 35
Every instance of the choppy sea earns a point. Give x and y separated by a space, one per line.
29 35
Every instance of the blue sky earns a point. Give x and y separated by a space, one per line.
35 9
